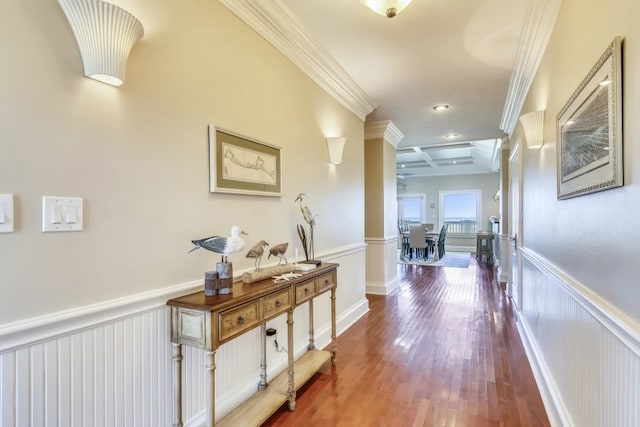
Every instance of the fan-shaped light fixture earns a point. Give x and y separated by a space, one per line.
105 34
533 127
388 8
335 146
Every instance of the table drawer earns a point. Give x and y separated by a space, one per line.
238 320
326 281
276 303
191 327
305 291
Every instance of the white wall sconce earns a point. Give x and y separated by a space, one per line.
105 34
336 146
533 126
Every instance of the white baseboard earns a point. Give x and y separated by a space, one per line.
459 248
382 288
553 404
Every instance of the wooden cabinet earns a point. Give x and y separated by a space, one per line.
208 322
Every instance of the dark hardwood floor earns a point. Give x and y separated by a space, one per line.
442 350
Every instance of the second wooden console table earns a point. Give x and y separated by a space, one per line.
208 322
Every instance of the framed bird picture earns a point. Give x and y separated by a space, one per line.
242 165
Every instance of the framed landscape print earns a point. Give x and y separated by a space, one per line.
242 165
589 127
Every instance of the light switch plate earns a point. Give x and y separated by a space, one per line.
7 214
61 214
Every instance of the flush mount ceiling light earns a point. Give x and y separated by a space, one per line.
441 107
451 136
335 146
105 34
533 127
388 8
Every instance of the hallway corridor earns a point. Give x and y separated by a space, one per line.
441 350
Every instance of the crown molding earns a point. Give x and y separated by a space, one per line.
538 26
384 129
273 21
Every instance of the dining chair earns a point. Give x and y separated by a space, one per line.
441 239
404 238
417 240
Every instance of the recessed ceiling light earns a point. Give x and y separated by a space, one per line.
441 107
451 136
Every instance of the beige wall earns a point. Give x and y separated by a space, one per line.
390 191
380 189
138 154
593 238
374 185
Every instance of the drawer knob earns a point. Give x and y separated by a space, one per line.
240 320
306 290
278 304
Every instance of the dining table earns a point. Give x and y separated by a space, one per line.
429 234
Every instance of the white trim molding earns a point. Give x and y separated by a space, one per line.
40 328
584 352
275 22
382 265
384 129
537 28
110 363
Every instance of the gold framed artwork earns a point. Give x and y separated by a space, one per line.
589 128
242 165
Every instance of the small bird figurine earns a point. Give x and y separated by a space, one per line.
279 250
256 252
222 245
306 212
311 220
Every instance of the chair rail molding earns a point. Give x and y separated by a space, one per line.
273 21
40 328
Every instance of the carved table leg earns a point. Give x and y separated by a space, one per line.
263 358
291 391
334 342
211 389
177 385
312 345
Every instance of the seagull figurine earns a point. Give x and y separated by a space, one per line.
222 245
256 252
279 250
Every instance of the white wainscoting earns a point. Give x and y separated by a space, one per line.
585 354
382 265
110 364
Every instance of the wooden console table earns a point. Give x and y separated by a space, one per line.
208 322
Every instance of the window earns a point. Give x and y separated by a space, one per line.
412 208
461 211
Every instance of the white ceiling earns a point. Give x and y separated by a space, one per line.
456 52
